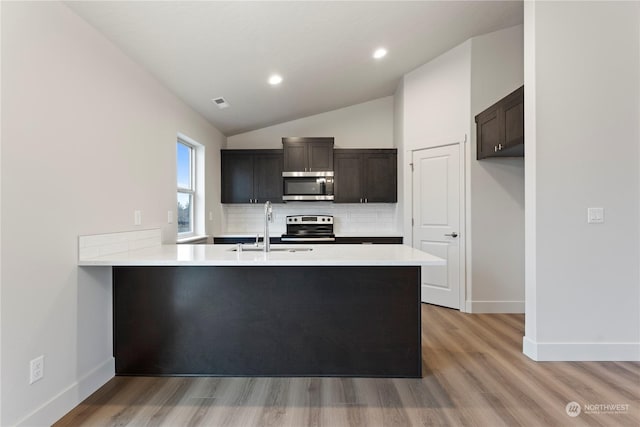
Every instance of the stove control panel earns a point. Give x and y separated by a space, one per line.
310 219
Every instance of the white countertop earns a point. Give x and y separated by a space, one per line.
221 255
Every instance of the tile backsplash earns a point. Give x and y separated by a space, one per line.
374 219
91 246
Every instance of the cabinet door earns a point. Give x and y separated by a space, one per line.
380 175
237 177
500 128
513 110
320 155
267 177
348 177
488 134
295 156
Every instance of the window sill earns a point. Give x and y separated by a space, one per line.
191 239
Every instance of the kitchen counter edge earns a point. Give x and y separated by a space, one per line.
222 255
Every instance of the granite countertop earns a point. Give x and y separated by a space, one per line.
222 255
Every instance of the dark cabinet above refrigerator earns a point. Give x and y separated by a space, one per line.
500 128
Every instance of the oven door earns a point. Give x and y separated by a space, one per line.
307 186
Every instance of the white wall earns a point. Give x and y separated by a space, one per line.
366 125
496 185
87 137
398 137
435 111
583 293
436 100
0 217
441 99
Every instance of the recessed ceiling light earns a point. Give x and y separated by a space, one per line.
275 80
380 53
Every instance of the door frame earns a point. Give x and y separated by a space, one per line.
465 240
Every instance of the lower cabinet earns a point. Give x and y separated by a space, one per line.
251 176
366 176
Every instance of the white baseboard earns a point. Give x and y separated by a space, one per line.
495 307
581 352
69 398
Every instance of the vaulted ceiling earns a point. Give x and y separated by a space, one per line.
323 49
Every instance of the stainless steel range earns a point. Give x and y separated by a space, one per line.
309 228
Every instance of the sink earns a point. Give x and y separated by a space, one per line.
273 249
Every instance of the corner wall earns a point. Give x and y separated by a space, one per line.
496 185
582 87
434 111
441 99
87 137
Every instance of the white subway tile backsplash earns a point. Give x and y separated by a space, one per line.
113 248
91 246
372 219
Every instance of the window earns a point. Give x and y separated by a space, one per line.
186 160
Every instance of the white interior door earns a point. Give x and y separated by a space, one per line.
436 221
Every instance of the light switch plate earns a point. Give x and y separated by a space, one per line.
137 217
595 215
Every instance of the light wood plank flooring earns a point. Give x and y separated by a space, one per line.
474 375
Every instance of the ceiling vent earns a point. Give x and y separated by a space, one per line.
220 102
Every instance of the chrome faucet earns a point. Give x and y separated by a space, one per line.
268 217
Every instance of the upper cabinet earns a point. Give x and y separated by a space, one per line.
308 154
500 128
366 176
251 176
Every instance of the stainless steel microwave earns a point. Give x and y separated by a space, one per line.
307 186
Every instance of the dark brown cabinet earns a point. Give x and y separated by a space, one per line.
307 154
251 176
500 128
366 176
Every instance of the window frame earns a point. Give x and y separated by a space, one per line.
191 190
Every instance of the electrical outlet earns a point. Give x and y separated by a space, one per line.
137 217
210 216
36 371
595 215
170 217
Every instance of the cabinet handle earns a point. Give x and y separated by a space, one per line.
500 147
454 234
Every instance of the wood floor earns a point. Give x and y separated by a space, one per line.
474 375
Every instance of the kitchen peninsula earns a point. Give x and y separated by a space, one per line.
317 310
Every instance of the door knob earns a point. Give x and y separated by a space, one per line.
454 234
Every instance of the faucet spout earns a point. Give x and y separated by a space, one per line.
268 217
